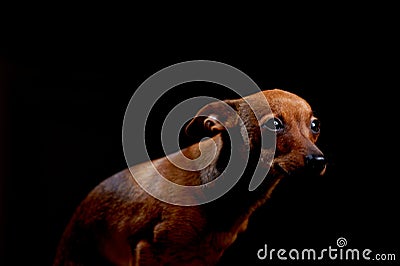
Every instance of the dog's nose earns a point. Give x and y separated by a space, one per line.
315 163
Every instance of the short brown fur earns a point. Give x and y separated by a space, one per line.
118 223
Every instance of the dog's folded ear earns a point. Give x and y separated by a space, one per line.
214 118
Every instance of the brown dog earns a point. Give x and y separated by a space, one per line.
120 224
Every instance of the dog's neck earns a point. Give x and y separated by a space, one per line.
243 201
213 150
211 157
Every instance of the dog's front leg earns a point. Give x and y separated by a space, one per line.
160 250
144 254
175 242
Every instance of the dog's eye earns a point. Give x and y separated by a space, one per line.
315 125
273 124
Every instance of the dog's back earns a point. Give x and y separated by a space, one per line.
119 223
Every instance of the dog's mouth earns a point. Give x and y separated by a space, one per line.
299 171
281 169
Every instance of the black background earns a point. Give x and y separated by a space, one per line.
65 93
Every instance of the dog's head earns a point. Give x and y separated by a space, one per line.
297 130
289 119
